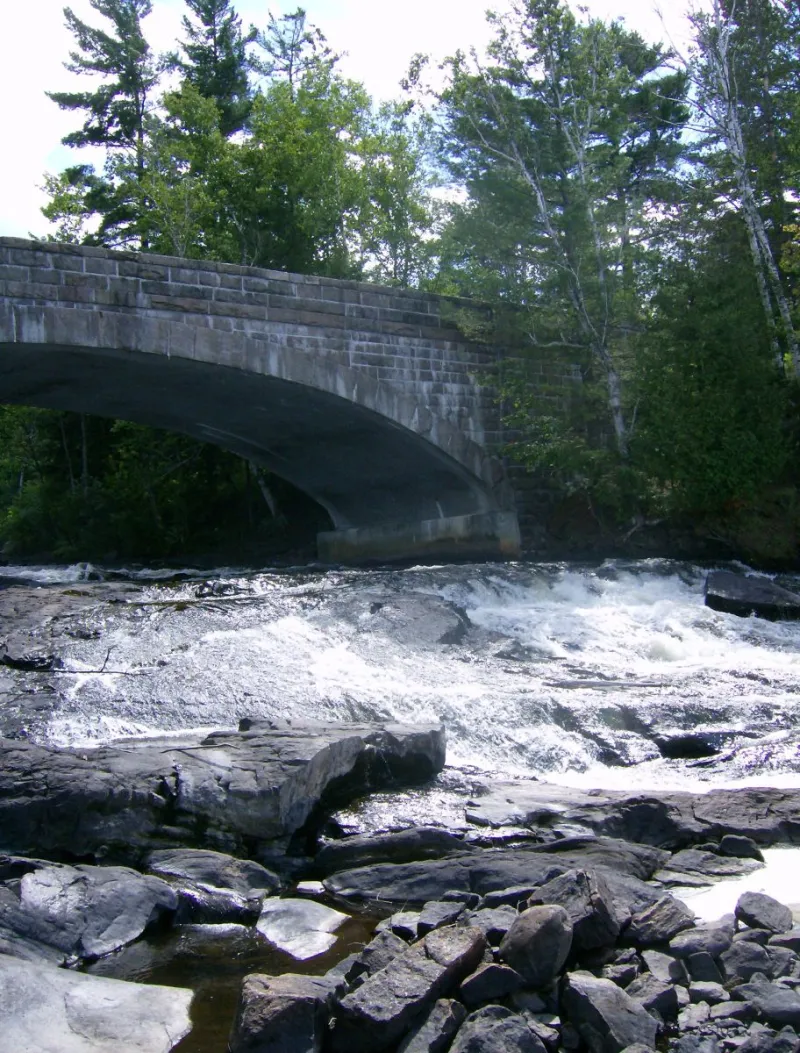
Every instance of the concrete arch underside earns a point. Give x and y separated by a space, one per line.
397 482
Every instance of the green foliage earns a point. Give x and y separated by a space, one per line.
215 60
712 426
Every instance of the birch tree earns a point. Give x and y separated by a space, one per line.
562 140
716 73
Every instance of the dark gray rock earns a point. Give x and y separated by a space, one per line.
213 887
496 1030
759 936
743 847
655 995
44 1008
621 974
484 872
471 900
237 787
380 1012
742 959
703 968
382 949
538 943
694 1016
78 912
665 968
790 940
763 912
732 1011
489 983
784 962
714 939
706 991
775 1004
709 864
766 1041
606 1017
516 897
403 846
695 1044
494 924
587 900
743 596
659 923
437 1030
281 1014
404 924
437 913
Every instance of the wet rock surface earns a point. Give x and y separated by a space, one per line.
229 789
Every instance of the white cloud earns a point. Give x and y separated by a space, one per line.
378 37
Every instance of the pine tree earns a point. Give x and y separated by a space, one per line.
215 60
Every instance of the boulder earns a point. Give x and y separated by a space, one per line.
436 1031
654 995
490 982
496 1030
537 944
300 927
390 1002
743 958
213 887
659 923
790 940
281 1014
44 1008
382 949
766 1041
229 790
774 1003
745 596
606 1017
437 913
587 900
714 939
494 923
708 992
711 865
402 846
743 847
403 924
760 911
78 912
703 968
665 968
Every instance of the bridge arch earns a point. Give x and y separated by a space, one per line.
398 477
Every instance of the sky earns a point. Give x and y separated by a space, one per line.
377 39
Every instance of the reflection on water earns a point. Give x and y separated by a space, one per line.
212 960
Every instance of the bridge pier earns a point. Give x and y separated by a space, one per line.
478 537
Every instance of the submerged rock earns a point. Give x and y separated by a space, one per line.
299 927
45 1008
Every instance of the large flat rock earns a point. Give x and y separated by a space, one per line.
44 1009
228 790
670 820
744 596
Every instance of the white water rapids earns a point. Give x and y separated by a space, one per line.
615 675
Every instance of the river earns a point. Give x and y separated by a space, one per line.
614 675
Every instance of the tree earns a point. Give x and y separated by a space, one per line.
733 122
564 143
293 49
215 60
116 113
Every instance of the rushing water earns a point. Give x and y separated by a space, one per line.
616 675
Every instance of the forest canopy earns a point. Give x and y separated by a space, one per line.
623 206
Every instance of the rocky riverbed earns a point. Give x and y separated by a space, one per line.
351 891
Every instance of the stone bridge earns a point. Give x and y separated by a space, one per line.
364 397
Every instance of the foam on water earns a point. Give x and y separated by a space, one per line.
570 672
